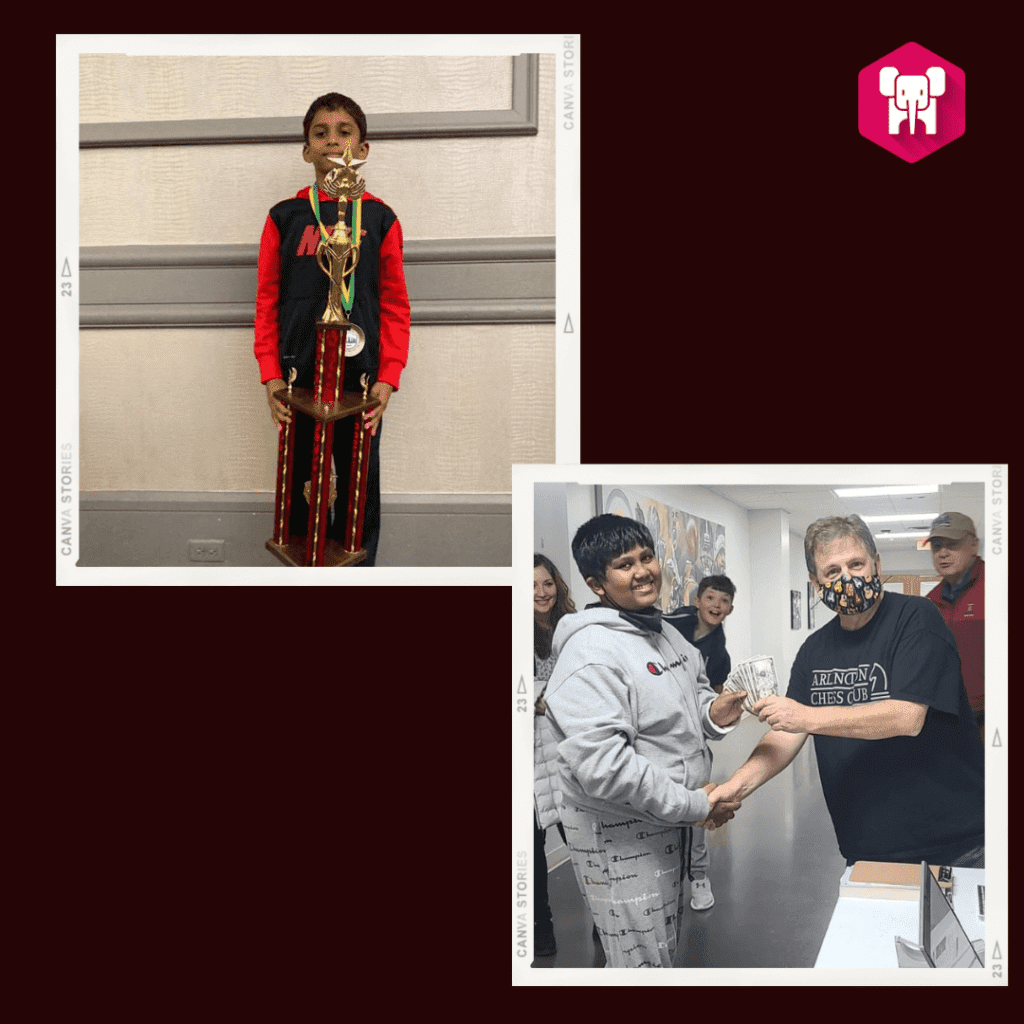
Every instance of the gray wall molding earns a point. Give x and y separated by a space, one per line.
263 501
424 313
452 281
521 119
430 250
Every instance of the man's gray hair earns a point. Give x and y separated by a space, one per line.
824 531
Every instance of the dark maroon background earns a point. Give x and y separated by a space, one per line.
783 289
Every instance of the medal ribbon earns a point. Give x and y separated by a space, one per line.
348 292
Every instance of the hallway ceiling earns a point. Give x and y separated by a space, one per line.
807 502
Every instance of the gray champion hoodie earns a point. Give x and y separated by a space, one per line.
629 709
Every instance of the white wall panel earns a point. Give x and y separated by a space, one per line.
117 87
183 410
440 188
206 195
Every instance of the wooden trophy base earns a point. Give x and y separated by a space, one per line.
350 403
294 552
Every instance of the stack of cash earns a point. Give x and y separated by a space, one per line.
756 676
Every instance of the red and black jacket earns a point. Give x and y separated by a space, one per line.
966 618
292 292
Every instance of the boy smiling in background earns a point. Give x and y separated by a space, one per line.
702 626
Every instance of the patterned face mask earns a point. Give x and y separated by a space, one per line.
851 595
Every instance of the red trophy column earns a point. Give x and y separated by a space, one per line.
319 493
320 470
283 504
357 486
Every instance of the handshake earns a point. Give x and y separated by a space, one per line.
725 802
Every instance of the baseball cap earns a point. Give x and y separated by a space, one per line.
954 525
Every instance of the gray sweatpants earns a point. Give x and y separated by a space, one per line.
700 858
630 873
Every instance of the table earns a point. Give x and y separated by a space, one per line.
862 931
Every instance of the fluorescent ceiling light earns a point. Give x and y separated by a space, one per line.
897 536
889 519
864 492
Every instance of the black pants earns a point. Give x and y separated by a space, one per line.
303 427
541 909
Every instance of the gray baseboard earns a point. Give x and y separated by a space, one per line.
155 528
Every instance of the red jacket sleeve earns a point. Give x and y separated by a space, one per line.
268 290
394 309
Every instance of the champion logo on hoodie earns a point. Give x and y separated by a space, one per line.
656 670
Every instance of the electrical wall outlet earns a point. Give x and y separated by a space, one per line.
206 551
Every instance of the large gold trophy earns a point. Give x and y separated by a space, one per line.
337 255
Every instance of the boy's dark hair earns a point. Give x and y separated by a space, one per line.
722 583
601 539
335 101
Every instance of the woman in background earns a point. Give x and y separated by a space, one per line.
551 601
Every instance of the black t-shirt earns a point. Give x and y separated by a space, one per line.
718 664
907 798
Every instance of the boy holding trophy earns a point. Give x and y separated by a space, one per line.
299 285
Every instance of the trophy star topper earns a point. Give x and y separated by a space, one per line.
343 180
347 160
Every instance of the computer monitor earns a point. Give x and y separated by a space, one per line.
943 938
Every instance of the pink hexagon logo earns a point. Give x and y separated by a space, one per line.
911 102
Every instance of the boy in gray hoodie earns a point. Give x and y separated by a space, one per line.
632 710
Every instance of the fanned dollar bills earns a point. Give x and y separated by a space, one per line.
756 676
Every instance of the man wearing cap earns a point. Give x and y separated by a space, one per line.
961 599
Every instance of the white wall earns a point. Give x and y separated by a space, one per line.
906 563
550 526
822 615
769 572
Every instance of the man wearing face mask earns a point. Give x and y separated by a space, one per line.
880 688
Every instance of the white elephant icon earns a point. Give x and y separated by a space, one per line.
911 96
